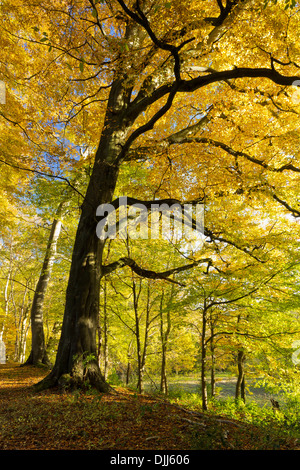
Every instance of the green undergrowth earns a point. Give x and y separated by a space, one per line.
284 421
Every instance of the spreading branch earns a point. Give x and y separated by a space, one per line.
180 138
180 85
165 275
191 221
187 135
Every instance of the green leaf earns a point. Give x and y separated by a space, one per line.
81 66
44 39
94 13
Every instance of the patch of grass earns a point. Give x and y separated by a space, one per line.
184 398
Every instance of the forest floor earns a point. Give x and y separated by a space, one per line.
56 420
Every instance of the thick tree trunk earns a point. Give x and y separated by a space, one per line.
38 354
77 351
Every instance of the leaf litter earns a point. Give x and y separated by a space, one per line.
57 420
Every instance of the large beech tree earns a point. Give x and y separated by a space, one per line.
141 61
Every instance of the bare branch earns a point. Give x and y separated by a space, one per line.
262 283
295 212
46 175
165 275
213 237
179 138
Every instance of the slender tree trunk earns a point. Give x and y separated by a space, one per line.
105 339
240 384
163 376
21 337
128 370
138 337
21 314
7 294
164 342
204 358
24 328
141 348
243 389
38 354
6 302
146 335
100 343
213 360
